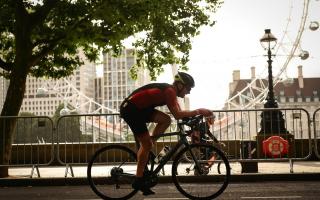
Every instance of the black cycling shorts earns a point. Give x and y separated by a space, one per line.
136 118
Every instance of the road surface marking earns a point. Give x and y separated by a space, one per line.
274 197
163 198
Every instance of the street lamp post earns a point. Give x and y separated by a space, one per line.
272 121
268 42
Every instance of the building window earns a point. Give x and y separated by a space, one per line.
298 92
282 93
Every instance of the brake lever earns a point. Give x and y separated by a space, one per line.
191 121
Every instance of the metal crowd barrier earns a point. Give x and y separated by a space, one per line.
316 131
249 138
32 142
243 132
75 138
79 136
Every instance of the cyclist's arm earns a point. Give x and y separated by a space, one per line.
177 112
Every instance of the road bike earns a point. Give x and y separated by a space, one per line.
111 170
200 133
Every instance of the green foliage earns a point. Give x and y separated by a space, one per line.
33 129
60 107
54 32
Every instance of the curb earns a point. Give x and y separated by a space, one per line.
25 182
275 177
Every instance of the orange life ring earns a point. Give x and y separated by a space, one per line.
275 146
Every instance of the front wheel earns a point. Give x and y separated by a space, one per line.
201 169
111 172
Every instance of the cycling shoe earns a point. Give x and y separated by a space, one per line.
143 186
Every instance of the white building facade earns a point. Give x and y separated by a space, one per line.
300 94
43 96
116 82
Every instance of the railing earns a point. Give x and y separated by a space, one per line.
243 134
33 142
316 131
72 139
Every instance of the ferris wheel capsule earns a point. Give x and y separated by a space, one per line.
64 111
304 55
42 92
314 25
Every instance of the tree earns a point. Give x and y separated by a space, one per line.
43 38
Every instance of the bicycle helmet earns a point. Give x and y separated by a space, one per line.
185 79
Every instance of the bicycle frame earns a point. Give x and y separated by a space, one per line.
191 158
181 142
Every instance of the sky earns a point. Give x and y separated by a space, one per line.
233 44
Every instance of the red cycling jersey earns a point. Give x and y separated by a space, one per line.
153 95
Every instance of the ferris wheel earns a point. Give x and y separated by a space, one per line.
289 47
73 99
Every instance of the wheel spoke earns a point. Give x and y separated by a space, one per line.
111 172
188 173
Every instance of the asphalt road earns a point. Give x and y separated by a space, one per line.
253 190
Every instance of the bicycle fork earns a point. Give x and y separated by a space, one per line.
197 165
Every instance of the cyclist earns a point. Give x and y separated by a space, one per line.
201 134
139 108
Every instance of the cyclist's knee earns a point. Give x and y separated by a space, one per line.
166 120
145 141
161 118
147 146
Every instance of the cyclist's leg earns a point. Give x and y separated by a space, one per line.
211 161
162 121
137 119
142 157
212 158
143 152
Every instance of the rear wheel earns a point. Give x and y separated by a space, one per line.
186 174
111 172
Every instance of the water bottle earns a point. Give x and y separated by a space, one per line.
162 153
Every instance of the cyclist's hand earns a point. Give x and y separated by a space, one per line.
205 112
210 119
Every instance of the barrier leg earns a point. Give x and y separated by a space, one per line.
163 173
291 165
67 171
33 171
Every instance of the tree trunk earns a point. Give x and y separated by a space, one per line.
11 107
15 93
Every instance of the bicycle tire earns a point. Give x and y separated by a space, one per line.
111 171
218 168
186 177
